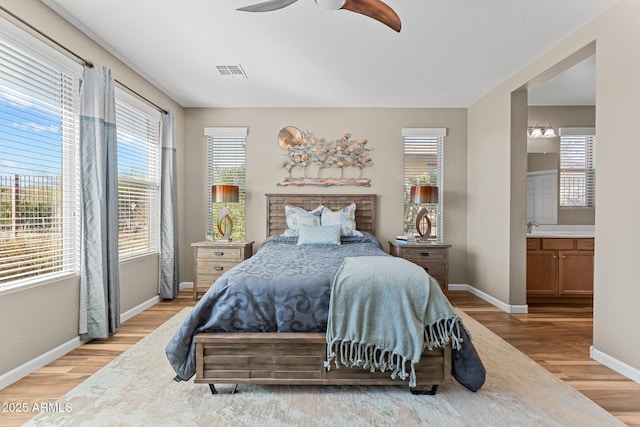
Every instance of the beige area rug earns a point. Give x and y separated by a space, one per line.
138 389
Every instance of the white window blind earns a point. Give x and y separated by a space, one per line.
423 165
577 167
138 133
226 164
39 192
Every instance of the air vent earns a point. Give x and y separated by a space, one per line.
232 71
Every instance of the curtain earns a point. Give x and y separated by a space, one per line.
169 284
99 275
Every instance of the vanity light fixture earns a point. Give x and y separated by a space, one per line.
541 132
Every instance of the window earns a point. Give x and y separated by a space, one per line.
226 163
577 167
138 133
423 162
39 192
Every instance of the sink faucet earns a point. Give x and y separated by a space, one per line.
530 226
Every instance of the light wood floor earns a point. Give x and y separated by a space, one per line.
556 338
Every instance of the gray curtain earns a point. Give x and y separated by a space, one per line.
99 276
169 285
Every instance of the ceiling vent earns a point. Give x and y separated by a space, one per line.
232 71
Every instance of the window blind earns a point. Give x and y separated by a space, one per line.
227 165
577 167
138 134
423 165
39 191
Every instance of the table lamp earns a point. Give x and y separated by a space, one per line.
221 193
423 194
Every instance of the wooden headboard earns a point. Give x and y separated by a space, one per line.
365 208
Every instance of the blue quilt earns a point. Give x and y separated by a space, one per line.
284 287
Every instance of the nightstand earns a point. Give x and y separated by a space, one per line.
211 259
433 257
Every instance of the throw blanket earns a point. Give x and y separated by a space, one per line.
383 312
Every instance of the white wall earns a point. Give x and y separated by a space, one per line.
491 230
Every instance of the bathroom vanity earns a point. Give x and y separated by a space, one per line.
560 267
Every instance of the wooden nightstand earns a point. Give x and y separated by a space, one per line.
211 259
433 257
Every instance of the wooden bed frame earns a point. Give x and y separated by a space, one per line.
298 358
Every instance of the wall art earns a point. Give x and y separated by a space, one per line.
322 162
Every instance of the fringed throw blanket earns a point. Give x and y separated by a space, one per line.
383 312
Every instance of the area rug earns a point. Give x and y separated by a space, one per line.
137 388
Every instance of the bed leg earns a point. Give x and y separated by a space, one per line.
213 389
431 391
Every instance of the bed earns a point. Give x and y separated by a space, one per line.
258 325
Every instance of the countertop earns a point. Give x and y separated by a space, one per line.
563 231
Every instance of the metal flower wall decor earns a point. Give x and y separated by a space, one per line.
319 155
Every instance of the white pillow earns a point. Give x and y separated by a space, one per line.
345 217
296 216
319 235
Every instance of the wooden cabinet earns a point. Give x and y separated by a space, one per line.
211 259
560 270
433 257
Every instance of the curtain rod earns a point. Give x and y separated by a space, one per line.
77 57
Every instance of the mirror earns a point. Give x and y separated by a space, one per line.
566 100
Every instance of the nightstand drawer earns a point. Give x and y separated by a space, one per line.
214 267
424 255
205 281
435 269
210 254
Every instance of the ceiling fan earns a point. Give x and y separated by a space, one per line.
375 9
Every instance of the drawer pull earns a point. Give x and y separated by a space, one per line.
218 253
218 268
423 253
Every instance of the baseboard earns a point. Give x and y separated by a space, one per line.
184 285
509 308
138 309
38 362
25 369
615 364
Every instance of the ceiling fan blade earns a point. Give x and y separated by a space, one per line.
267 6
377 10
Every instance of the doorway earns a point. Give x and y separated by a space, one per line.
562 97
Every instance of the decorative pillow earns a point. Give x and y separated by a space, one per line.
346 217
319 235
297 216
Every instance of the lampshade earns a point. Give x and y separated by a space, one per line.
221 193
423 194
536 132
541 132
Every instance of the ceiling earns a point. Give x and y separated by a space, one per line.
448 54
576 86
